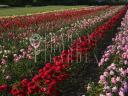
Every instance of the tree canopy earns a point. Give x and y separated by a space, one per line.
61 2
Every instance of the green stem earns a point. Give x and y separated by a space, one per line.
35 56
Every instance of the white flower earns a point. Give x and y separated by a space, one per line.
88 87
111 72
0 52
114 89
118 79
107 88
102 95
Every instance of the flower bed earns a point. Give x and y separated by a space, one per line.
48 78
16 66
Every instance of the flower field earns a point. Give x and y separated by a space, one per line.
41 53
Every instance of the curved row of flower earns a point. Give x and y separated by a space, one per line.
48 78
114 80
8 73
25 21
115 77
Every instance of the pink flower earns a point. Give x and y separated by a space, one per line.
16 59
4 61
106 74
102 78
121 93
113 80
127 70
123 72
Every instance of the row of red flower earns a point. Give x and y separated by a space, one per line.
26 21
48 78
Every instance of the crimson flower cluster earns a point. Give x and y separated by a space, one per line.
3 87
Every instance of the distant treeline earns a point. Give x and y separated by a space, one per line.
60 2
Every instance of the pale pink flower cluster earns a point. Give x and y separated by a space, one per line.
21 55
114 81
92 21
115 77
87 23
111 49
24 54
120 45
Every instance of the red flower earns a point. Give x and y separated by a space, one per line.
47 81
36 78
59 63
58 68
43 89
48 65
3 87
24 82
32 88
15 92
